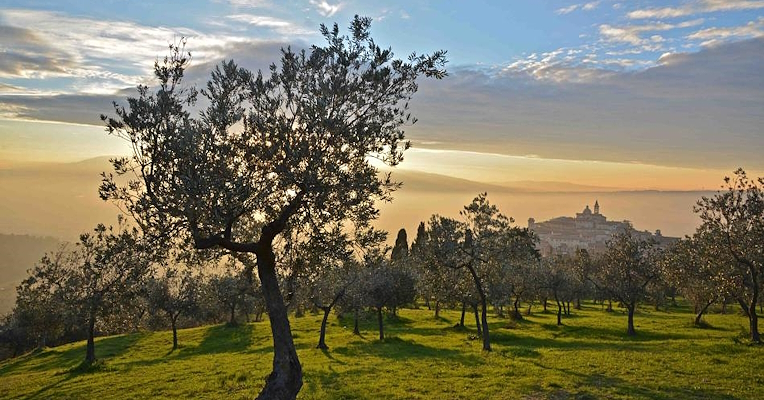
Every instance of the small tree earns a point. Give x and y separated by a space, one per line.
481 245
175 293
696 270
556 275
625 270
44 299
229 289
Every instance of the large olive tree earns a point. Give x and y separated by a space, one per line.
290 146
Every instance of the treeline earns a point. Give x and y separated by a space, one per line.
114 280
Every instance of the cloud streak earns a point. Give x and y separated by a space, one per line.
697 7
583 7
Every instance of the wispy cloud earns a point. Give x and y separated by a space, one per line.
326 9
94 54
697 7
280 26
714 36
636 34
251 3
583 6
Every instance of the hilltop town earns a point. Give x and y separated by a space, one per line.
587 230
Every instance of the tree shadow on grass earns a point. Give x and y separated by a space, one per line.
626 389
57 358
398 349
218 339
221 339
613 334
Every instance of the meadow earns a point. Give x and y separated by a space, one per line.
422 357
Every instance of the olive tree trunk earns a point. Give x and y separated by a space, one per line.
631 331
381 324
322 336
90 351
286 379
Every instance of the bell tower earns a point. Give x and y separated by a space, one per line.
596 207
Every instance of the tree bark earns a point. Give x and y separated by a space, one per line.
544 304
437 309
516 313
477 320
286 379
754 323
173 320
356 331
484 320
90 351
559 311
322 337
702 311
464 309
484 311
631 331
381 324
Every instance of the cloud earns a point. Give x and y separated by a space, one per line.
584 7
714 36
326 9
568 10
26 55
251 3
698 109
697 7
85 107
104 55
278 25
633 34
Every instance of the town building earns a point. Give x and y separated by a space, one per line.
588 230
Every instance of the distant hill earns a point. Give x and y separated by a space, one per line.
61 200
555 186
18 253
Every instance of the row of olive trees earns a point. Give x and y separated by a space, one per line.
724 259
483 260
111 281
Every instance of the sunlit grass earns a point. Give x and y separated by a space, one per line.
423 357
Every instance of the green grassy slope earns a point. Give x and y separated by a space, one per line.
589 357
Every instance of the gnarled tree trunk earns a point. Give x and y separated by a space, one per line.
322 336
381 324
90 351
286 379
631 331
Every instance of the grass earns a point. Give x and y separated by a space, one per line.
589 357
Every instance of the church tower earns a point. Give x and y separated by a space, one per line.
596 207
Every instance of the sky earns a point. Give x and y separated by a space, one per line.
623 94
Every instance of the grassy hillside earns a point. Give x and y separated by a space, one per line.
589 357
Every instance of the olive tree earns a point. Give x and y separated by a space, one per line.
735 218
288 146
175 293
624 271
484 245
695 267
